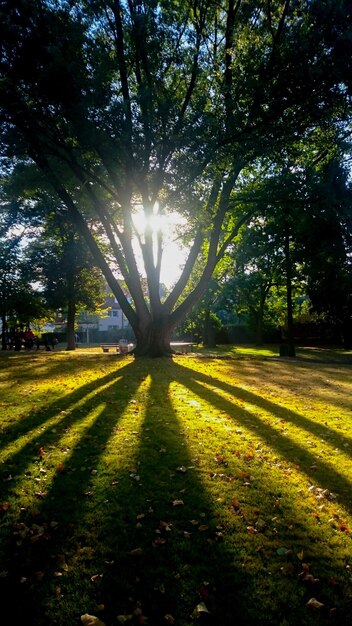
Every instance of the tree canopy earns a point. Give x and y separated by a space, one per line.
132 106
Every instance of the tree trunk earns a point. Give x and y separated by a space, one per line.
346 332
291 351
153 339
260 318
3 335
71 316
208 332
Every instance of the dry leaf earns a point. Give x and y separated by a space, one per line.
314 603
200 608
136 552
160 541
91 620
177 502
61 562
96 578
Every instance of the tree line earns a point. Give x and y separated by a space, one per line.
227 113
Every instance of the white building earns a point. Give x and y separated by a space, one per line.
113 318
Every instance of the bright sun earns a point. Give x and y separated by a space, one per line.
174 254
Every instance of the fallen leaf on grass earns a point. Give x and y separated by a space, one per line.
200 608
160 541
124 618
306 575
41 452
220 459
136 552
96 578
314 603
203 592
177 502
165 526
91 620
61 562
344 528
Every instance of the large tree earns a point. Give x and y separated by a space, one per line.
131 106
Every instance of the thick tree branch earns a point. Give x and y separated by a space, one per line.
83 229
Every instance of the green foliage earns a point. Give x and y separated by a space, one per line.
166 107
19 302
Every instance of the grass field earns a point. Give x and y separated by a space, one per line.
192 490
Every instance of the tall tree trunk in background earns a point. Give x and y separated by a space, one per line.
4 329
288 263
71 314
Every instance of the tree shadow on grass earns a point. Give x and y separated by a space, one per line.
183 561
31 538
148 536
140 536
46 427
318 471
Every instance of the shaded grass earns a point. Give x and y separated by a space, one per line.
143 488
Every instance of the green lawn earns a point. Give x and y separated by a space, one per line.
192 490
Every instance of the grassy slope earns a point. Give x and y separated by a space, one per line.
143 488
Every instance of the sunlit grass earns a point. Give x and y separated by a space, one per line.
144 488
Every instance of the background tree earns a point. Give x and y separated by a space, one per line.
328 247
63 266
19 302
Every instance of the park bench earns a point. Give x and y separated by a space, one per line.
122 348
182 346
106 346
